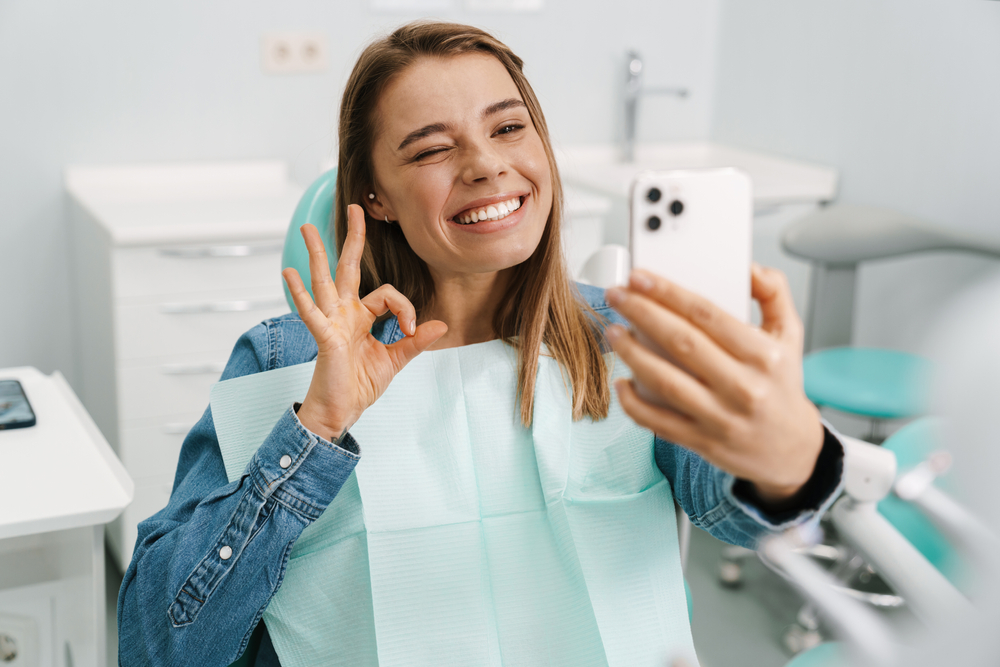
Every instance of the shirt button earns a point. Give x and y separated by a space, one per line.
226 552
285 461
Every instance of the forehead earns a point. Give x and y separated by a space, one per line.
448 90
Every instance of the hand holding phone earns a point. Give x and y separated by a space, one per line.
710 381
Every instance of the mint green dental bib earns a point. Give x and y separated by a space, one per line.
463 538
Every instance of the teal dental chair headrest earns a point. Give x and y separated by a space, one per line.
315 208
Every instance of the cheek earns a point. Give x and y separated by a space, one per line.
425 196
538 166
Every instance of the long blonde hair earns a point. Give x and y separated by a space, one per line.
542 304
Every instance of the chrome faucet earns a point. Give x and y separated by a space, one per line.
633 91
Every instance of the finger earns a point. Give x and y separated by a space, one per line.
770 288
680 339
349 262
313 317
405 349
673 386
323 289
739 339
665 423
387 298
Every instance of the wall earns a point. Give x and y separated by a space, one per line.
111 81
903 97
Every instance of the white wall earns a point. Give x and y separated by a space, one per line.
112 81
903 97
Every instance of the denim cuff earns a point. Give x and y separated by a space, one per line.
301 470
816 496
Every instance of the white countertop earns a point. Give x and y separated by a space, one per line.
775 180
187 202
60 473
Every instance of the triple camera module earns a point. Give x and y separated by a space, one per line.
676 207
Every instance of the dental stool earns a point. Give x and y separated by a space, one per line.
874 383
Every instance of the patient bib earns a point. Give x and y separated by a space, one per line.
463 538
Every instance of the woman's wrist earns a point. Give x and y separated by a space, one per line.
314 424
824 479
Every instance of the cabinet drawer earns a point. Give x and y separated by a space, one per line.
151 448
184 269
176 385
192 324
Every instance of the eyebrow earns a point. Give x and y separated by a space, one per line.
425 131
502 105
434 128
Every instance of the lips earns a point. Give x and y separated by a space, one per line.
494 211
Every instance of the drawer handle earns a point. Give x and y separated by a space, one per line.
223 251
212 367
177 428
220 306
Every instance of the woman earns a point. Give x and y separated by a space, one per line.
448 217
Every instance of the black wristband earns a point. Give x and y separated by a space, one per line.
825 477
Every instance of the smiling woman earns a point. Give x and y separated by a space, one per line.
440 123
510 508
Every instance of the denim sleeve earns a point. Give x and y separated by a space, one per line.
716 502
206 566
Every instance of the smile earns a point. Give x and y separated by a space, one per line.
497 211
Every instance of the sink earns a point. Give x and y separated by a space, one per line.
775 180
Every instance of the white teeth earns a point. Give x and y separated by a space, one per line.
495 212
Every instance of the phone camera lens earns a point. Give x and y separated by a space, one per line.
676 207
654 195
653 223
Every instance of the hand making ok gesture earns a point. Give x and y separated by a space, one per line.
352 367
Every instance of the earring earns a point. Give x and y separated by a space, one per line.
371 195
387 220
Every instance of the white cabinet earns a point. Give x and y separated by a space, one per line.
172 264
61 484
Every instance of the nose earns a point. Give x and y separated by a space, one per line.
482 163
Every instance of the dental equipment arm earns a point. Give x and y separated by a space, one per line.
966 531
866 634
869 474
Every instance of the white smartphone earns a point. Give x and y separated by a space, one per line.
694 227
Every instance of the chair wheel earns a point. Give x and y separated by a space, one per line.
730 574
798 639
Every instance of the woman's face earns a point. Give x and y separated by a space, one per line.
456 145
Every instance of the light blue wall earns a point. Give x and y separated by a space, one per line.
111 81
903 97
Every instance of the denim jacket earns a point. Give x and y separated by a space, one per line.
206 565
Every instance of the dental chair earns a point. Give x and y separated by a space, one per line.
870 475
877 384
895 513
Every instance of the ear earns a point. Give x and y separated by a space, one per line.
376 208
